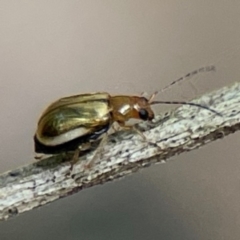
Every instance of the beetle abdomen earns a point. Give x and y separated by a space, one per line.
69 145
71 121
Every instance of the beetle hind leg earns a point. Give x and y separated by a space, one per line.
41 156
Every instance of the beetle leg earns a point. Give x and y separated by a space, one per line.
75 157
84 146
133 128
97 151
40 156
130 127
115 127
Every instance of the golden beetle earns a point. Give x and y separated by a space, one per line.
70 122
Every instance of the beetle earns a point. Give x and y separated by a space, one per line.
71 122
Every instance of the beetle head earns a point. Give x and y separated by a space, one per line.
143 109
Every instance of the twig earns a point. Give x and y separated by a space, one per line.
184 129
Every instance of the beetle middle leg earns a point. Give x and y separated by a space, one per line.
75 157
87 146
97 151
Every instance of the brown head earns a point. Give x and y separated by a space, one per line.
142 109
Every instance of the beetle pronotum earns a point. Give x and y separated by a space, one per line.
71 122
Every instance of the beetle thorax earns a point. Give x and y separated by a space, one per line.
128 107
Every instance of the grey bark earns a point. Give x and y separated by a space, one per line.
183 129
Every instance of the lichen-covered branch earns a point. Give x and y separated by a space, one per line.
184 129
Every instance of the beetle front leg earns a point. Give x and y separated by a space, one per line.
131 127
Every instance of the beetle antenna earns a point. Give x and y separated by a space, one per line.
208 68
188 75
187 103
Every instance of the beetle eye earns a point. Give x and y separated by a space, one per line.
143 114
